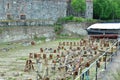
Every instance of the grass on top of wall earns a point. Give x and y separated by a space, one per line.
73 19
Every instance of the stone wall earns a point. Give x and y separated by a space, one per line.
42 11
89 9
28 32
76 28
20 33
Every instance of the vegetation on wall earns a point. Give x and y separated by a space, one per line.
78 5
58 29
36 38
73 19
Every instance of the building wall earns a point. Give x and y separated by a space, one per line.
46 10
89 9
2 11
38 12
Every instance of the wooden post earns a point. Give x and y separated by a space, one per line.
44 56
32 43
83 48
54 51
29 65
87 64
63 43
41 50
78 48
67 43
70 43
95 52
46 78
30 55
51 56
70 47
81 43
37 56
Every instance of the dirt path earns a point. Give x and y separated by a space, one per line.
112 69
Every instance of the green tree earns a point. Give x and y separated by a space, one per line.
116 9
106 9
79 5
102 9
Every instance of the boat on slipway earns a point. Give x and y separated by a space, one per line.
104 30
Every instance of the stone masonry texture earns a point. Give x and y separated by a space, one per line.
44 10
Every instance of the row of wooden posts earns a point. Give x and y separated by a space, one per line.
55 53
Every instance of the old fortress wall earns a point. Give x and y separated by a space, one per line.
34 11
37 12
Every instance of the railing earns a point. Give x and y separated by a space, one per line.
86 74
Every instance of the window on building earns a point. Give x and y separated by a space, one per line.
8 5
22 17
8 16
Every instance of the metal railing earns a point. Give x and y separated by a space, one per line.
87 75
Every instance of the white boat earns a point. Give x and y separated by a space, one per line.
104 30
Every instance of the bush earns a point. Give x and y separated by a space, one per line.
39 38
69 18
64 35
35 37
42 38
58 29
73 19
64 19
78 19
91 20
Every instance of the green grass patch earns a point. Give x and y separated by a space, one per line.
117 75
22 58
42 38
73 19
67 37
